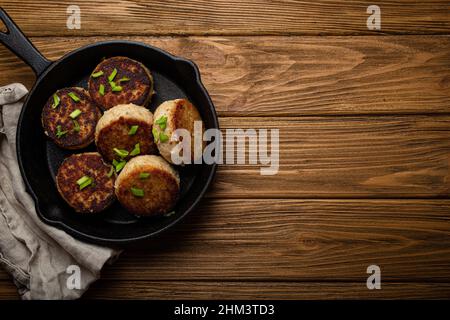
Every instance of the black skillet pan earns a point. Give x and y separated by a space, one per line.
40 158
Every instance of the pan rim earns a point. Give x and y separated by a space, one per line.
108 240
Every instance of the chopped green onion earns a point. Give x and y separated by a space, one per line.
168 214
137 192
60 133
163 137
133 130
101 89
144 175
116 88
73 96
84 181
162 119
112 75
110 173
155 134
97 74
86 184
121 153
76 126
136 150
162 122
56 101
75 113
123 79
119 165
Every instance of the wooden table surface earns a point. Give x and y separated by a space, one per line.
364 119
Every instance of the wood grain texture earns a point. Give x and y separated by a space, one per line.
298 240
250 290
359 117
295 240
293 76
264 290
349 157
219 17
8 290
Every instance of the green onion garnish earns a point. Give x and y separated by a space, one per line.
97 74
110 173
84 181
75 114
121 153
101 89
116 88
133 130
163 137
162 122
137 192
76 126
136 150
73 96
123 79
144 175
60 133
112 75
56 101
168 214
155 134
119 165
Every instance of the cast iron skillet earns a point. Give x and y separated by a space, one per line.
40 158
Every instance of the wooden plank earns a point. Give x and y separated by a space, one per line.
263 290
318 241
3 274
293 76
298 240
8 290
250 290
224 17
287 240
349 157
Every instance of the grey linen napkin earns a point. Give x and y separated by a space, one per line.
42 260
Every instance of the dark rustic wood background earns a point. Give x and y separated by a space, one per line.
364 119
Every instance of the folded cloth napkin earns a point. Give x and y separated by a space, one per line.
43 261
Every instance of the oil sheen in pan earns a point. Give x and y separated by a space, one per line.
165 90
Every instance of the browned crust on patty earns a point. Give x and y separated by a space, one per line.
115 135
87 120
93 198
184 115
138 90
181 114
161 189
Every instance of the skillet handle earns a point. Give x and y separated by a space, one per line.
19 44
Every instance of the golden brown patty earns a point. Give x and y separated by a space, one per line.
66 132
147 186
123 127
93 198
178 114
133 77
